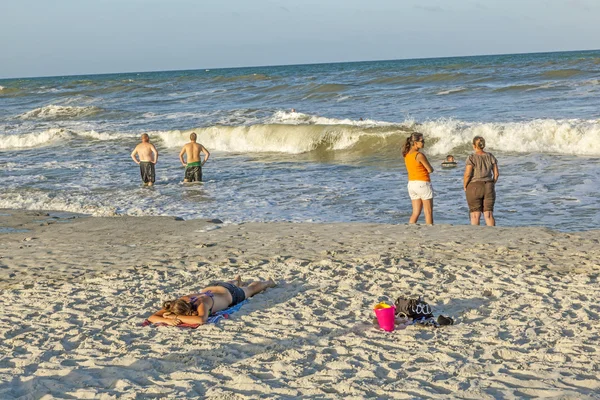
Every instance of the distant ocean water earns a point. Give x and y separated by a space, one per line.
65 141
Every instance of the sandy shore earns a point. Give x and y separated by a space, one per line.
74 291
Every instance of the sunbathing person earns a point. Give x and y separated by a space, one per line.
196 308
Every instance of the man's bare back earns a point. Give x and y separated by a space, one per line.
192 152
145 152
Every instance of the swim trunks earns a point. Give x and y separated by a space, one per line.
193 172
237 294
147 171
481 196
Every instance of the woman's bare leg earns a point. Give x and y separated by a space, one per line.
475 217
428 210
257 287
489 218
417 205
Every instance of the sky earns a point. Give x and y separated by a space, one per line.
72 37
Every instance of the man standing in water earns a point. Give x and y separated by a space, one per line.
192 150
147 156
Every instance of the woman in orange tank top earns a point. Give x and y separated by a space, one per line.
419 184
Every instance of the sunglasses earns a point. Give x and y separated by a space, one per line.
420 141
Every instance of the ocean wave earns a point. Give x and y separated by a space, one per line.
9 91
562 73
573 137
451 91
105 136
523 87
60 112
298 118
431 78
296 133
237 78
35 139
274 138
53 135
328 88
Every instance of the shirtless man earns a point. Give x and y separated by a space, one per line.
147 156
192 150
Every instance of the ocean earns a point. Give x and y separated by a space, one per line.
65 142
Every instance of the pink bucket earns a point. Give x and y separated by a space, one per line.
386 316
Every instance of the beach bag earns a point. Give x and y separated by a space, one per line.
413 308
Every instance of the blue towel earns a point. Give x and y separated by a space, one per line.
219 315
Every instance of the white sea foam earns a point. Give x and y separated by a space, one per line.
279 138
106 135
306 133
297 118
53 135
45 201
35 139
450 91
575 137
62 112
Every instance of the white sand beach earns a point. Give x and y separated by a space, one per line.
74 291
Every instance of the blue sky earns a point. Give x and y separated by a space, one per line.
66 37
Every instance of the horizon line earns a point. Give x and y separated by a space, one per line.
297 65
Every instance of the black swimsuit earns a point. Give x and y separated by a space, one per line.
237 293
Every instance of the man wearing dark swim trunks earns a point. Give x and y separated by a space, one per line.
193 164
147 157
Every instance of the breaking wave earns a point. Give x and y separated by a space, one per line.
54 136
60 112
296 133
573 137
35 139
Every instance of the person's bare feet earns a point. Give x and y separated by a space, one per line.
238 280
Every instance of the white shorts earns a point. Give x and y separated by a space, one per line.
420 190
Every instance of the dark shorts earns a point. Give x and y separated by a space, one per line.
237 294
147 171
193 174
481 196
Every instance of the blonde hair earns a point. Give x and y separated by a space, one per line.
414 137
178 307
193 136
479 142
145 137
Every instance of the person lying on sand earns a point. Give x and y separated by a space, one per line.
196 308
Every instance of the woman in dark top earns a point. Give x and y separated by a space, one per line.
479 183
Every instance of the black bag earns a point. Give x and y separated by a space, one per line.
413 308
